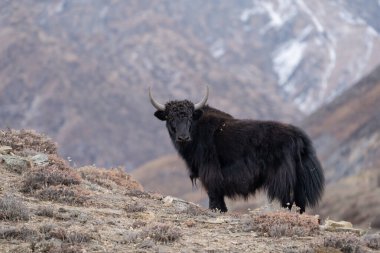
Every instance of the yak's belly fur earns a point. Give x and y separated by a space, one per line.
256 155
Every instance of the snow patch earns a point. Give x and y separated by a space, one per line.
217 49
278 13
306 9
288 56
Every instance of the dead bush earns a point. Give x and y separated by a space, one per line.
138 224
277 224
46 211
131 236
163 232
22 233
372 241
62 194
194 210
13 209
58 162
21 140
347 243
72 237
42 177
46 229
109 178
134 208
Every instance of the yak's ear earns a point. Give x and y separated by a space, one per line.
161 115
197 114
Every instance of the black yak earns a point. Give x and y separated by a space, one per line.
234 158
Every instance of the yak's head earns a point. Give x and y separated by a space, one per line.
180 116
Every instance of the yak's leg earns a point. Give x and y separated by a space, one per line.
216 202
299 198
287 201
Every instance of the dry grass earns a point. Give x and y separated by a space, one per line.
63 194
13 209
277 224
21 140
46 211
109 178
23 233
134 208
43 177
372 241
161 232
346 243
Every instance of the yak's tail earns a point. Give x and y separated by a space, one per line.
310 178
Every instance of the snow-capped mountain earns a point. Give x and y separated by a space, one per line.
82 68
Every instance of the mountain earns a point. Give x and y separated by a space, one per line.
346 131
79 70
347 136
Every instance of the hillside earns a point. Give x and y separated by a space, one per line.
47 206
346 131
79 70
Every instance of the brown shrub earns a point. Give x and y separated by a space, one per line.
72 237
58 162
347 243
108 178
42 177
21 140
163 232
13 209
62 194
134 208
46 211
277 224
138 224
372 241
22 233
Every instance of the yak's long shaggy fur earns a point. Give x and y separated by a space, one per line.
234 157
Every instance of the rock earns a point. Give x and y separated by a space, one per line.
15 163
341 226
40 159
168 200
5 150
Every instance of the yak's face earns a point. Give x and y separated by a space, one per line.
180 117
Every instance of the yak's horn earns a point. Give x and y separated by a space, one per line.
156 105
203 101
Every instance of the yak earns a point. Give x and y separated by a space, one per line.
234 158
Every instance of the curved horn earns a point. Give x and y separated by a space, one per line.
203 101
156 105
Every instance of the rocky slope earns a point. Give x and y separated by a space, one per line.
46 206
78 70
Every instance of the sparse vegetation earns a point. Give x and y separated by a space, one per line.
13 209
134 207
277 224
22 140
62 194
109 178
46 211
347 243
372 241
44 177
165 233
22 233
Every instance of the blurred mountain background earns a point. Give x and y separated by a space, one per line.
79 71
